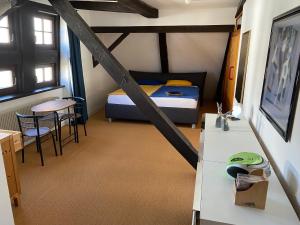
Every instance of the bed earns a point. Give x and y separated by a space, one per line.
180 103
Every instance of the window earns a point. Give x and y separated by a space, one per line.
44 74
31 62
6 79
4 31
43 30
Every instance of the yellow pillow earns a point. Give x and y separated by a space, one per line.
179 83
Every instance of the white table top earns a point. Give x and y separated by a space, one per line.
53 105
220 145
217 201
239 125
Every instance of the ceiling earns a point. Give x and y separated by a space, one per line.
164 4
194 3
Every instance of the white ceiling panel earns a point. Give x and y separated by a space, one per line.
193 3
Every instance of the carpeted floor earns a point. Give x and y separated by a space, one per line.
122 173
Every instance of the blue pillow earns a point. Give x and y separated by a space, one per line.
149 82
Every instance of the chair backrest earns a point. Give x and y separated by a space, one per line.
80 104
26 122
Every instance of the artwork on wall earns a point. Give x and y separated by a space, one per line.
281 83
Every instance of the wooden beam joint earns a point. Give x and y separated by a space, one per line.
140 7
112 47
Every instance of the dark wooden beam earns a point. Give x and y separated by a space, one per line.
240 8
118 41
165 29
7 7
125 81
139 7
124 6
101 6
223 71
112 47
163 49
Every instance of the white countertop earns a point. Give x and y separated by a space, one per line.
214 190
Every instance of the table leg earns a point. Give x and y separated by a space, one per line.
76 125
55 127
59 132
36 139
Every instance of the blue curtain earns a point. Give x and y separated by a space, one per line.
77 72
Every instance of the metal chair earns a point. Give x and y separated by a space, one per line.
80 107
29 127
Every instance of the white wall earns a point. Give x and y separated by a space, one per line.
11 105
258 17
97 82
187 52
6 216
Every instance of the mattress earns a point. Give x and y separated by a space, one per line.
159 95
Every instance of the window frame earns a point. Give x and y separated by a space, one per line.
46 16
9 90
22 55
10 32
46 83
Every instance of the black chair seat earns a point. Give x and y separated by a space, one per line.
33 132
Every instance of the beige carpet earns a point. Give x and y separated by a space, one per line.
122 173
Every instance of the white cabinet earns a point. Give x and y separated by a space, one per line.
214 196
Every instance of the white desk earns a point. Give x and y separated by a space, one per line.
220 145
239 125
214 196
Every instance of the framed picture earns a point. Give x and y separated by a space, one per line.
281 84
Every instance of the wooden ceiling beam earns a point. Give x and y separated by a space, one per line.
165 29
124 6
140 7
100 6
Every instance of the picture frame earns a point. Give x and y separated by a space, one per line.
281 81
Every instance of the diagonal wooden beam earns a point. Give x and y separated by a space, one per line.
112 47
139 7
223 71
118 41
101 6
8 6
125 81
240 8
5 6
